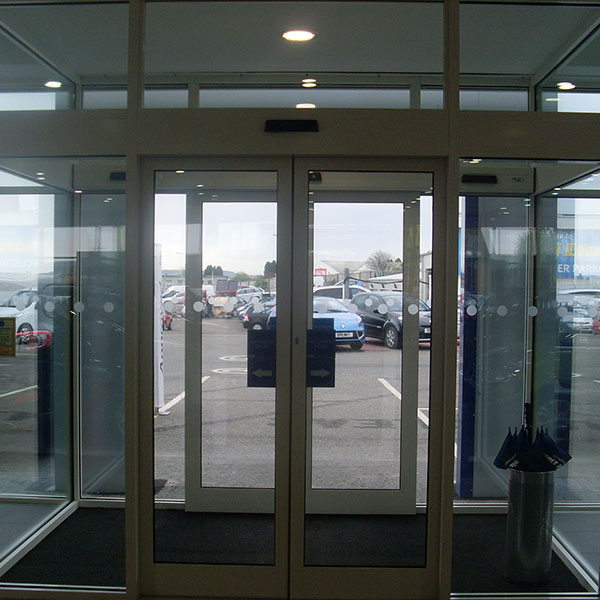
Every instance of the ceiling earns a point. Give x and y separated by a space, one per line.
88 42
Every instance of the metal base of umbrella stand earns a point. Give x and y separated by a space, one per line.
529 527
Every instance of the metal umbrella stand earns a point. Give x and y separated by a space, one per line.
530 503
529 526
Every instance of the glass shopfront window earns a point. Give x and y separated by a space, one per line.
528 306
61 355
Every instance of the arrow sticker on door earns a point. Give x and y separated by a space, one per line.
320 354
261 358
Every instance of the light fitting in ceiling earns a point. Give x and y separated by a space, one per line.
53 84
306 105
298 35
565 85
309 82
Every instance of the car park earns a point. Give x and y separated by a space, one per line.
381 313
22 306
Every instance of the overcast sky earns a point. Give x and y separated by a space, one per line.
243 236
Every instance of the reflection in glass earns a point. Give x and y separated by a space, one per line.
368 434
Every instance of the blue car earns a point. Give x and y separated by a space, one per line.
349 328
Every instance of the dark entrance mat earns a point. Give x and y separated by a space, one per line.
88 549
478 560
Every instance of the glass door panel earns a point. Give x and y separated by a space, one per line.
365 422
217 230
217 414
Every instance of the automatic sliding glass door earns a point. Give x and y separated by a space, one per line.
291 343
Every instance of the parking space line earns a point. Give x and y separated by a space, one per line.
420 413
423 417
31 387
176 400
390 387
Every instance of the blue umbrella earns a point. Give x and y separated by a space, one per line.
518 452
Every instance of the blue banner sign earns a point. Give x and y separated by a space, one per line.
577 253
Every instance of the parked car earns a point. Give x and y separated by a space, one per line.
256 314
172 291
337 291
174 303
381 313
249 292
348 327
581 321
22 306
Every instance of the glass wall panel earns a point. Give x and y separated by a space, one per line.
62 284
101 97
290 98
235 50
36 284
47 51
528 287
100 312
517 45
573 85
494 99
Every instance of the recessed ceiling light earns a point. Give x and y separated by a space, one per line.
107 199
41 178
309 83
78 191
557 189
179 171
551 99
565 85
40 174
199 185
297 35
306 105
53 84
